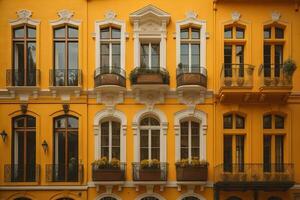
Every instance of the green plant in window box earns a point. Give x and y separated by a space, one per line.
191 170
195 162
150 164
289 67
143 70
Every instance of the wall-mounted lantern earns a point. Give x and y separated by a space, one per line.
45 146
3 135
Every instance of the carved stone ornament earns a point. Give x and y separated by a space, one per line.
275 16
24 108
191 98
66 108
235 16
110 99
110 15
191 14
65 14
24 14
150 98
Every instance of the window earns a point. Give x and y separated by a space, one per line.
150 53
65 56
190 139
110 139
149 138
234 50
108 198
231 121
190 198
65 148
24 149
234 198
22 198
149 198
273 141
190 48
273 50
110 47
24 56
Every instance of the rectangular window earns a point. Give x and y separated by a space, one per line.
239 59
240 33
228 122
184 138
267 33
240 152
279 155
278 59
184 55
195 140
228 60
267 60
150 55
279 33
267 153
155 55
155 144
227 153
105 139
19 65
228 33
195 55
144 145
104 55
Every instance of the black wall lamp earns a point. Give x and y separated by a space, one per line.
45 146
3 135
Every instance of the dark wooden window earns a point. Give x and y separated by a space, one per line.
240 151
65 56
279 155
24 56
24 149
228 60
227 153
267 153
65 151
239 122
189 140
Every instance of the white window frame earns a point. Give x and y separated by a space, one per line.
110 21
149 44
163 132
101 117
200 117
190 21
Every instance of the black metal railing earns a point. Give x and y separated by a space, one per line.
150 174
273 75
64 173
19 77
110 76
108 173
193 75
254 173
237 75
65 77
153 75
21 173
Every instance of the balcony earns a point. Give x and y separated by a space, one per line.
149 85
254 177
108 174
65 82
21 173
156 174
23 83
191 173
64 173
236 82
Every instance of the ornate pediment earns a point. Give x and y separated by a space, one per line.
24 16
150 12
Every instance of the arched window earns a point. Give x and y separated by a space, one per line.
23 168
190 198
65 56
110 139
65 198
149 198
108 198
274 130
234 198
189 139
233 154
24 55
149 138
22 198
65 148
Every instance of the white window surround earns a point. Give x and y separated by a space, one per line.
107 114
99 197
199 116
191 19
163 132
24 17
150 195
191 194
150 25
65 17
110 19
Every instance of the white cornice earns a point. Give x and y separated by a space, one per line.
150 10
24 17
65 17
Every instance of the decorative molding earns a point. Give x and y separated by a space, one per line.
66 108
110 15
150 194
235 16
191 14
191 194
110 96
65 17
275 16
101 196
24 108
24 16
191 95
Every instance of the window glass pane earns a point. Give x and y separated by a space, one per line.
105 139
228 33
267 124
154 122
228 60
60 32
145 55
104 55
279 155
72 32
144 138
115 152
239 122
267 60
104 33
155 55
115 33
60 58
31 32
195 55
72 122
227 153
267 33
239 54
240 152
184 55
116 55
279 33
31 57
155 144
240 33
73 147
60 123
227 122
19 64
18 157
279 122
184 142
267 153
73 55
19 32
195 33
184 33
278 59
145 121
19 122
30 121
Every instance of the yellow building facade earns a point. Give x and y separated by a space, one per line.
149 100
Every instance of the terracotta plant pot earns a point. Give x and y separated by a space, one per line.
150 175
192 173
108 175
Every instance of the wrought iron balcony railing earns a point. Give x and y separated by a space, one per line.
194 75
254 173
65 77
64 173
110 76
108 173
153 75
21 173
273 75
236 75
22 78
141 173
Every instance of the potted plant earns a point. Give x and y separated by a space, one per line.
193 170
289 67
143 75
105 170
150 170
